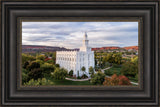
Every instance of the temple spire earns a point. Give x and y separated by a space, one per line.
85 36
85 40
85 46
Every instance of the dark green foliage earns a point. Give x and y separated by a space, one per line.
84 76
83 69
129 69
39 61
57 65
60 74
113 70
40 57
25 71
54 57
108 72
98 78
25 64
78 77
71 73
24 75
35 74
38 82
91 71
47 69
116 66
50 61
33 65
26 58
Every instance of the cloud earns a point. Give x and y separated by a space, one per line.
70 34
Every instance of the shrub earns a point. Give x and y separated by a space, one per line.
60 74
57 65
91 71
33 65
107 81
123 80
98 78
84 76
78 77
35 74
38 82
71 73
116 80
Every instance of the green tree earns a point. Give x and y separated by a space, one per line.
83 69
134 60
50 61
39 61
71 72
129 69
25 64
110 58
54 57
118 58
35 74
24 75
41 57
33 65
60 74
47 69
91 71
98 78
26 58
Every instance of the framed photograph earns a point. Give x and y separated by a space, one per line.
78 53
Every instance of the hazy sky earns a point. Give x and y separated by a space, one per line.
70 34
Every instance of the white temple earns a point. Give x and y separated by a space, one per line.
75 60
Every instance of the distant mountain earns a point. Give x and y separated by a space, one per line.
38 48
114 47
131 47
105 48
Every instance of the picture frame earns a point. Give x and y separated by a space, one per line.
146 13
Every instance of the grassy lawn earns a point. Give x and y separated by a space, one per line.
69 82
133 79
113 70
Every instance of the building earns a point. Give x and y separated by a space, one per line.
75 60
